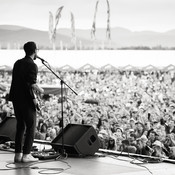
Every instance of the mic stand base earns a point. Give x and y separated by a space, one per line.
62 154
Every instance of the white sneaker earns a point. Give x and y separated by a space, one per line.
29 158
18 157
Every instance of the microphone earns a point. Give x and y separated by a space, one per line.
40 58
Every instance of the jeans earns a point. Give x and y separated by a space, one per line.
25 128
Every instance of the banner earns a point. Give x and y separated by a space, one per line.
93 30
108 29
58 15
73 39
50 26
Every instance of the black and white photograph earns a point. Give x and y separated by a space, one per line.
87 87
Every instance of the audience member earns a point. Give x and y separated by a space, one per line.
131 110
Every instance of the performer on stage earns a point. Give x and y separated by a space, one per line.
24 83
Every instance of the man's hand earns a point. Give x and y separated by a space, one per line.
37 88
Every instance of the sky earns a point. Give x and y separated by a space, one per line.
135 15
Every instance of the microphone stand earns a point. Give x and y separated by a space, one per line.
62 118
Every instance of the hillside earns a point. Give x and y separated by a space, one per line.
15 36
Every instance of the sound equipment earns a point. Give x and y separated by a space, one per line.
8 129
79 140
45 155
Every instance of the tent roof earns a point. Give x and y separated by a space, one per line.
5 68
87 67
129 67
66 68
169 67
43 69
108 67
150 67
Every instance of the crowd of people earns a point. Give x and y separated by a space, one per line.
132 111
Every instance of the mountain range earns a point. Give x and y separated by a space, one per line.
13 37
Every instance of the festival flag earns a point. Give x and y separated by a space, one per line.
73 39
73 29
108 29
93 30
58 15
50 26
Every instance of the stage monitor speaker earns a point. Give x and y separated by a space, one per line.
8 129
79 140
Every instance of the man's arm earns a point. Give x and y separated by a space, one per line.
37 88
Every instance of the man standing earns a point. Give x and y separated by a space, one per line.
24 83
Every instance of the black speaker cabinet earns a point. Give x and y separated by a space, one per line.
79 140
8 128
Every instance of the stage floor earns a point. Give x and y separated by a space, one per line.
99 164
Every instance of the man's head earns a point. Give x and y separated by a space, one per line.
30 48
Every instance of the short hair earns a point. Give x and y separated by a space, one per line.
29 47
